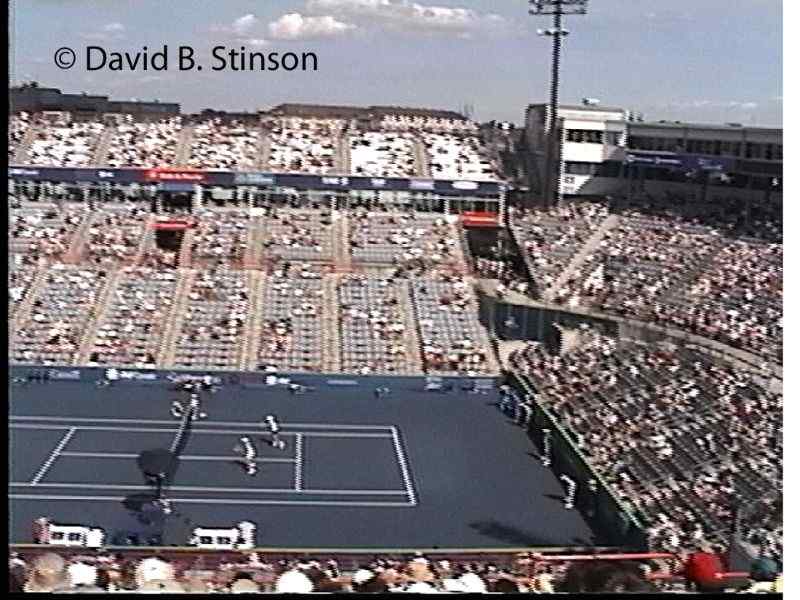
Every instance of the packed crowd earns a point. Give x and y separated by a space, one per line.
218 144
684 442
714 270
252 572
549 239
144 144
65 143
304 145
17 128
383 154
457 157
287 144
427 123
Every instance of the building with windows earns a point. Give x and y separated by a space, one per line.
611 151
594 140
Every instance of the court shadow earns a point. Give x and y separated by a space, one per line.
508 534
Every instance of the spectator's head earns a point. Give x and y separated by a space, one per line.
48 573
597 577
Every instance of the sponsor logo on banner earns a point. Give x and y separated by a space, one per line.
422 184
253 179
29 172
106 174
73 375
175 378
137 376
166 175
335 181
341 382
378 182
465 185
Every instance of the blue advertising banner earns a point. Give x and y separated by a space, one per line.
674 160
228 178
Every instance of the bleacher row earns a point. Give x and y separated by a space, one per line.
685 443
439 148
712 270
92 287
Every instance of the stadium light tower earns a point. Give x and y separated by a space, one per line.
558 9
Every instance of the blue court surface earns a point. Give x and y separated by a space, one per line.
411 469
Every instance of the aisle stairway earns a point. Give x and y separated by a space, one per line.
591 244
331 340
174 322
97 313
256 280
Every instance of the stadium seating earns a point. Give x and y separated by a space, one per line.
18 126
682 440
217 144
382 154
144 144
304 145
65 143
455 157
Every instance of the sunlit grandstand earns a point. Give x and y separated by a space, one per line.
495 389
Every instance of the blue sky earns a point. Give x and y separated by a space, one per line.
702 61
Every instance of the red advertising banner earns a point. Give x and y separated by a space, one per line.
480 219
171 225
175 175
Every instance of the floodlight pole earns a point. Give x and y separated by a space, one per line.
557 8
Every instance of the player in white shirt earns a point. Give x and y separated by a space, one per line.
246 449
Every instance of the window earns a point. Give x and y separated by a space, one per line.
74 537
206 540
584 136
57 536
224 541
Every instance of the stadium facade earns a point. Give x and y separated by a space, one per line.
609 150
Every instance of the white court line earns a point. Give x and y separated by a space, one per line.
204 423
298 462
254 432
182 457
403 462
192 488
53 455
251 501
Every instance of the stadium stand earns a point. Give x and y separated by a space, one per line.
382 154
144 144
64 142
685 441
304 145
18 126
217 144
454 157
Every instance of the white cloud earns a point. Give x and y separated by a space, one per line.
258 42
244 24
404 15
107 33
294 26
